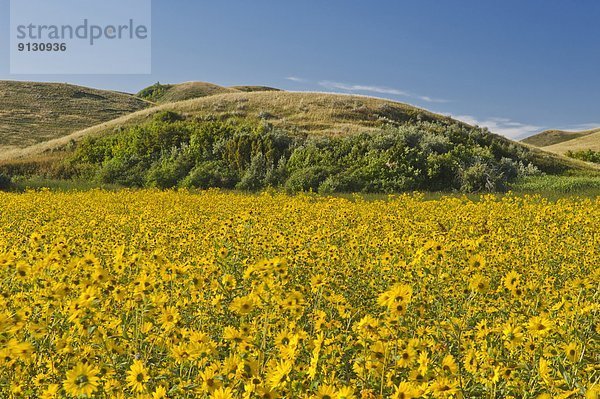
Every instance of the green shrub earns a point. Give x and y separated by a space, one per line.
210 174
585 155
168 117
164 174
254 178
308 179
154 92
480 177
127 172
5 182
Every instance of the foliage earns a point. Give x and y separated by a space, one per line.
171 151
560 185
156 294
585 155
5 181
155 92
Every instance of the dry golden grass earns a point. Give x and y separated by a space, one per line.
312 113
590 141
32 113
552 137
319 113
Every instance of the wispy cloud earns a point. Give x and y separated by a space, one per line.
580 127
503 126
377 90
432 100
371 89
295 79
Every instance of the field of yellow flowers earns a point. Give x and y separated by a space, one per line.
150 294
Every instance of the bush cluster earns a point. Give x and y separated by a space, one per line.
154 92
585 155
171 151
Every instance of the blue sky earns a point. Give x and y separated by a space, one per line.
517 67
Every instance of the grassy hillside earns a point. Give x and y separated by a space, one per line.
311 113
589 141
552 137
32 113
168 93
315 113
256 139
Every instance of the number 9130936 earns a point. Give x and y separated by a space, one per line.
39 47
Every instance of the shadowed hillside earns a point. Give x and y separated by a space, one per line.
589 141
32 113
552 137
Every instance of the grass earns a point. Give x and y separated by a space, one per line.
590 141
559 142
316 113
38 183
33 113
552 188
311 113
552 137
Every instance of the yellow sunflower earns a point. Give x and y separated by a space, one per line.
81 380
137 376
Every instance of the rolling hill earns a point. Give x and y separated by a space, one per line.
588 141
313 113
33 113
170 93
554 137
